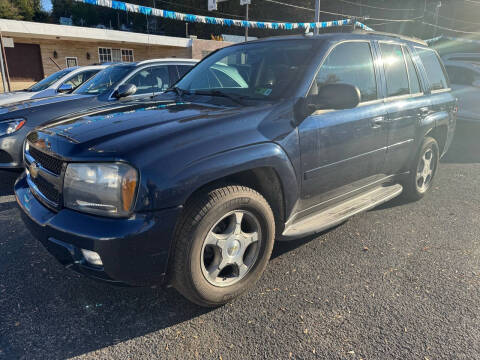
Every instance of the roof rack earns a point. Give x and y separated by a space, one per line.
398 36
166 59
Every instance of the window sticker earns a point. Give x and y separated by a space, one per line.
263 91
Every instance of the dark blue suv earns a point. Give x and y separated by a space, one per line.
267 140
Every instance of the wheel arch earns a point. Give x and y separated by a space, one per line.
263 167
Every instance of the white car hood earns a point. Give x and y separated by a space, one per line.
7 98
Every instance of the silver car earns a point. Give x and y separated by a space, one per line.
62 81
464 73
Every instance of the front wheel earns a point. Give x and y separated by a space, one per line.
422 171
223 244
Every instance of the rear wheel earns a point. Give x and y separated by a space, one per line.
223 244
422 171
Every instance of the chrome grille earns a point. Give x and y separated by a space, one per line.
46 189
50 163
44 176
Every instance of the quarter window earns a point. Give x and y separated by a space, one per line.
435 72
349 63
395 69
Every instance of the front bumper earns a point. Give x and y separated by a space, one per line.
134 251
11 149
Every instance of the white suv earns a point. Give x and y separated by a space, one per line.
62 81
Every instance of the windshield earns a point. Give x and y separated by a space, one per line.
49 80
267 70
105 80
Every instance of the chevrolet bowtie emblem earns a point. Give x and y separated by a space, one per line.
34 170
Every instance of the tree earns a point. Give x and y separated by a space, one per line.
21 10
9 11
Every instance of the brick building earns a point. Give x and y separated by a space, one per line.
41 49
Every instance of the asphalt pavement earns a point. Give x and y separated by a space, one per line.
398 282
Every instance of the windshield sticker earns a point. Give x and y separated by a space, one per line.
263 91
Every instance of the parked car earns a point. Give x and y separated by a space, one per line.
117 83
61 82
465 78
294 136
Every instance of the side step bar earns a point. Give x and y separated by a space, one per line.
337 214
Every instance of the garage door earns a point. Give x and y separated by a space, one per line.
24 62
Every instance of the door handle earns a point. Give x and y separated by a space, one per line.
377 122
424 110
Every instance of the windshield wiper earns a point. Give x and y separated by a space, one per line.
219 93
176 90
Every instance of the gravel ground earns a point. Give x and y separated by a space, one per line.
399 282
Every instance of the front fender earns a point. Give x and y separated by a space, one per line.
181 185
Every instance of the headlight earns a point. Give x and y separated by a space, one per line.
102 189
10 126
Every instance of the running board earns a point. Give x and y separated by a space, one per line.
339 213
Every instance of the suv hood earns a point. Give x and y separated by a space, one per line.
117 133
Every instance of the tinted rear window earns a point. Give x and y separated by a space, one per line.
435 72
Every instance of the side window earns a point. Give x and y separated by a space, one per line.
79 79
161 78
395 69
412 73
349 63
434 69
144 81
183 69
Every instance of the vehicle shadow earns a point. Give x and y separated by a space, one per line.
465 147
7 181
283 247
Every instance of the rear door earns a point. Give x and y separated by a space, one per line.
342 151
404 97
465 79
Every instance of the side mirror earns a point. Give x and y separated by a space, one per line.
125 90
329 97
65 88
335 97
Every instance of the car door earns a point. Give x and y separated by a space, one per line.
465 83
343 151
404 101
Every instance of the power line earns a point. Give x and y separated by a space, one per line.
375 7
339 14
195 8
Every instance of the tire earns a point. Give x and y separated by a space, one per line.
414 187
217 255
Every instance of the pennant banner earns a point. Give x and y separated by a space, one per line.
166 14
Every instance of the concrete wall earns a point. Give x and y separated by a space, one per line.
201 48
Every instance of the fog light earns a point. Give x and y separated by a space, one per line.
92 257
